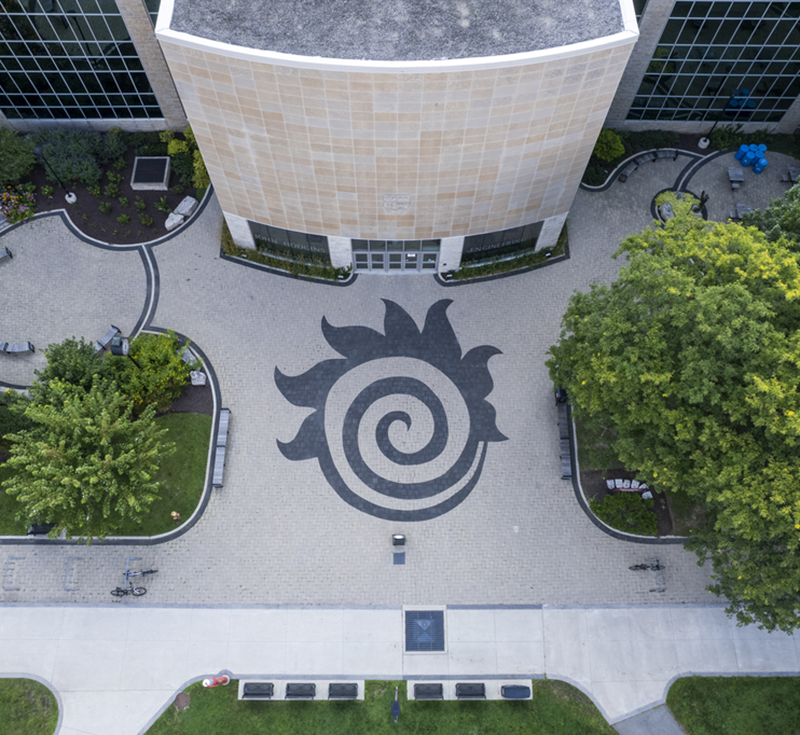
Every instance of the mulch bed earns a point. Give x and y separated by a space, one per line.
594 486
86 216
194 399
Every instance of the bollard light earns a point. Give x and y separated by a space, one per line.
398 540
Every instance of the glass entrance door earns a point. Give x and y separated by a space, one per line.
396 256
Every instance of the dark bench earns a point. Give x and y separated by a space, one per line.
627 171
259 689
222 444
470 691
515 691
19 348
342 691
5 253
563 437
105 340
301 691
428 691
40 529
645 157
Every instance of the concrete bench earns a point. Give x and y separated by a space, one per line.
645 157
515 691
627 171
471 691
5 253
221 447
343 691
428 691
667 153
301 691
256 690
105 340
17 348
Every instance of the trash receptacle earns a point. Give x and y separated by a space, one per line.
760 165
742 150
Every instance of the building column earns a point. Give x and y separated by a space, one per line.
651 26
341 251
137 20
790 120
240 230
450 252
4 123
551 230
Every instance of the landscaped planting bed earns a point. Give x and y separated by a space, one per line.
556 709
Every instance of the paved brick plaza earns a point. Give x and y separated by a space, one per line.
278 532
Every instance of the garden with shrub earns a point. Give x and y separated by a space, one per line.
105 445
97 168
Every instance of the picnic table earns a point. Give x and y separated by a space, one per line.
794 173
742 209
735 173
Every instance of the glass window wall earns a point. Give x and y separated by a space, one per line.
70 60
727 61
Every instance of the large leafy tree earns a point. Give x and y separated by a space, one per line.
692 359
780 219
86 463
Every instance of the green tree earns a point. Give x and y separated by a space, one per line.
608 146
780 219
16 156
86 464
692 358
73 362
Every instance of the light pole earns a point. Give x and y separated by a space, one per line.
71 198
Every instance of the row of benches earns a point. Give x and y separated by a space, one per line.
645 158
303 690
260 690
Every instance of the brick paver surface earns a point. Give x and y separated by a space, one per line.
278 532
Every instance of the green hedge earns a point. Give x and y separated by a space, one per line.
627 512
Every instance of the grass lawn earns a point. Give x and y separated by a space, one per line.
556 709
739 705
27 708
182 475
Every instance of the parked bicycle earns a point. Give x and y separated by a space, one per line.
128 588
654 565
122 591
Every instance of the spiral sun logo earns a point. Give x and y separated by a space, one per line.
401 425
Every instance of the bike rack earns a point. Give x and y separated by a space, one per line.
659 576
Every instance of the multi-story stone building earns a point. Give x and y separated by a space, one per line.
398 137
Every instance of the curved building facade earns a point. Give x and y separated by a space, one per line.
377 152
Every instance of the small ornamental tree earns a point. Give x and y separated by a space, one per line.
158 374
86 464
608 146
692 359
74 363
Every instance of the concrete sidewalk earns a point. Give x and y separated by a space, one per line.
116 667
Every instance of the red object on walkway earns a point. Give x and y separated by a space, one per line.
215 681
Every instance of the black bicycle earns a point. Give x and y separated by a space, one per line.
122 591
654 566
